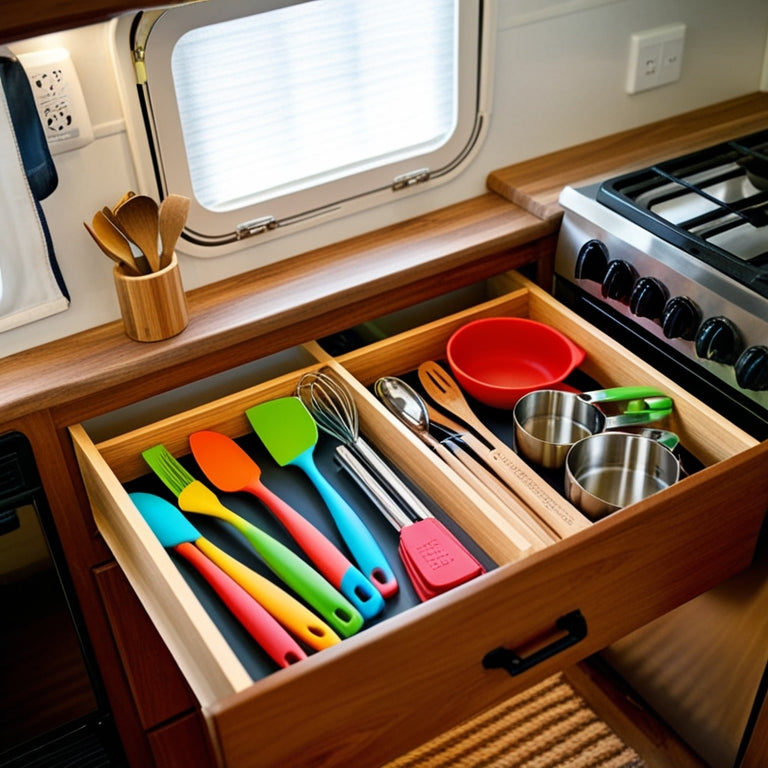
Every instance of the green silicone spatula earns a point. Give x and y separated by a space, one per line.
289 433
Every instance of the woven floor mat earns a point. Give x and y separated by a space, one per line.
547 726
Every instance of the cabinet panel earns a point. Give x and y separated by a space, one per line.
23 19
182 743
158 689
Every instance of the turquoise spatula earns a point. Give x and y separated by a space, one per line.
175 532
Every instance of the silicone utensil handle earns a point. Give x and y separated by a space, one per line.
649 404
296 573
634 418
292 614
261 625
331 562
438 556
612 394
357 537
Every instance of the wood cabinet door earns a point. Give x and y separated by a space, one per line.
157 686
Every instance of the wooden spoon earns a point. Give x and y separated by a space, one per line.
112 242
172 216
137 217
129 194
141 260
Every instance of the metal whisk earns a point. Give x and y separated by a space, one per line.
332 406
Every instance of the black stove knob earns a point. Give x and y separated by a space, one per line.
592 261
618 281
718 340
752 369
680 318
648 298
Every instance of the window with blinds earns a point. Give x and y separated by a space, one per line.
273 114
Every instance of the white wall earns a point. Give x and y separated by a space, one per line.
559 80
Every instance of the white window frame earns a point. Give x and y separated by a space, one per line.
155 133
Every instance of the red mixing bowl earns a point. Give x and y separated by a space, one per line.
497 360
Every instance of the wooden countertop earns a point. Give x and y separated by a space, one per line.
323 291
536 184
266 310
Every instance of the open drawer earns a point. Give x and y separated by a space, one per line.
415 674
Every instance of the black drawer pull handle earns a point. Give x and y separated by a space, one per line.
573 623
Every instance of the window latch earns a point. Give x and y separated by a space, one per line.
411 178
255 227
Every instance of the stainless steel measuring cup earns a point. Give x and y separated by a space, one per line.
611 470
549 421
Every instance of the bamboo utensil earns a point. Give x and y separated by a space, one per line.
141 260
551 508
138 218
112 238
147 277
172 216
405 403
537 532
150 231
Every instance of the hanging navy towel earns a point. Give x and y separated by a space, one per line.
31 284
38 163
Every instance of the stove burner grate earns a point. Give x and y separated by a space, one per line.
712 203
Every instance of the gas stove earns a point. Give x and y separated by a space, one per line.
672 260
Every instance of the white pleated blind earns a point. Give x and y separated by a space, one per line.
305 94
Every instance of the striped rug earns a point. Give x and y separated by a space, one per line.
547 726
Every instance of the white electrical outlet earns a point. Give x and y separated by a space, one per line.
655 57
59 99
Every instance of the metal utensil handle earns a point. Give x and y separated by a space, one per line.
372 488
390 480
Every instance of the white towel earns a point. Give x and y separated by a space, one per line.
28 287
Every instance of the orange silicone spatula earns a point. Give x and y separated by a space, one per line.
232 470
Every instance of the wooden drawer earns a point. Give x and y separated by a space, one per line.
407 678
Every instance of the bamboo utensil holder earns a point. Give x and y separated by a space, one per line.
154 306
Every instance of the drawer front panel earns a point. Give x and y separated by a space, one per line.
406 679
400 686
